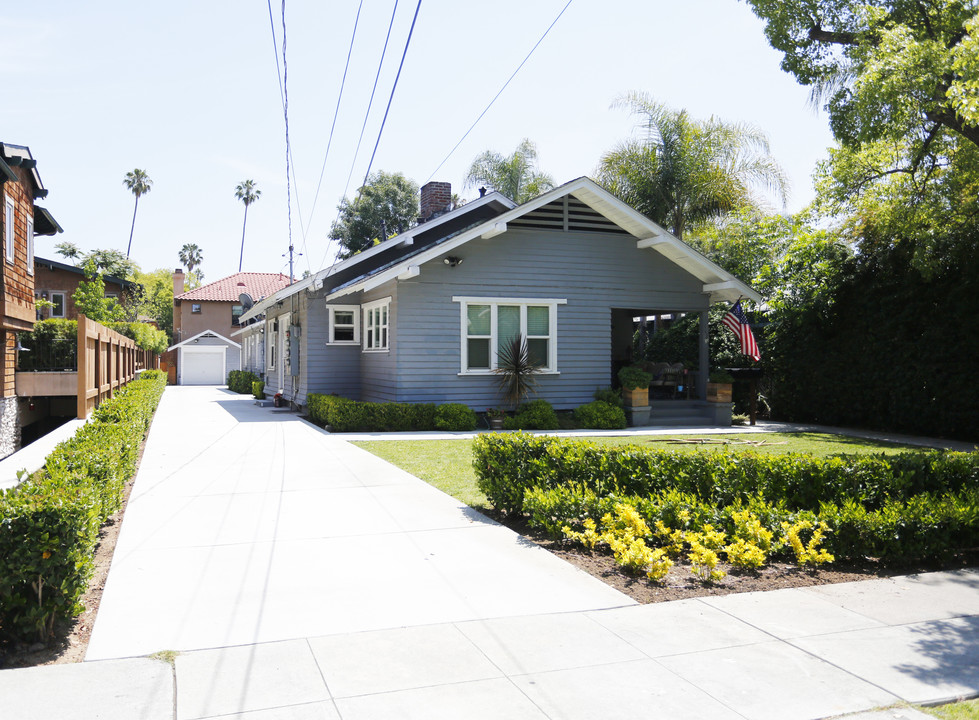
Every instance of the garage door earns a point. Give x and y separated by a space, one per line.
202 366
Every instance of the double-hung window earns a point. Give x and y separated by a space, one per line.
377 317
344 325
490 324
8 228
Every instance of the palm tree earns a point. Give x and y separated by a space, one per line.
686 170
139 183
191 256
516 176
247 193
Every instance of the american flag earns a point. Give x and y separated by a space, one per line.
737 323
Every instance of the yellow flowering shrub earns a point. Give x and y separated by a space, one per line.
808 553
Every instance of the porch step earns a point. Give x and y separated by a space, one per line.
678 413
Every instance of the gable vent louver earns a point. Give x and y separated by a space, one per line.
567 215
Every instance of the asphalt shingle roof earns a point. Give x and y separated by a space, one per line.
258 285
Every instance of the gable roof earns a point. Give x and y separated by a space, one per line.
201 334
258 285
717 282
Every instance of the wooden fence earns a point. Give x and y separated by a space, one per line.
107 361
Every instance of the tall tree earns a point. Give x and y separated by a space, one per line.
156 297
685 170
247 193
110 262
515 176
192 256
139 184
90 299
885 69
387 205
68 250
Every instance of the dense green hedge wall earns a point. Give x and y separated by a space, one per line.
888 347
241 381
49 524
912 505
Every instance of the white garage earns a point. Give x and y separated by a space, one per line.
203 359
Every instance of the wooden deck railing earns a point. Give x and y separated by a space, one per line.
106 362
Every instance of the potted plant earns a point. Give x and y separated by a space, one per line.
719 386
635 385
495 418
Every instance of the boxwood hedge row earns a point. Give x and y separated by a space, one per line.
912 506
49 524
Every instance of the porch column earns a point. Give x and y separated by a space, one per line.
704 356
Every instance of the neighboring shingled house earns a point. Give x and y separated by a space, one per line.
205 318
57 282
21 220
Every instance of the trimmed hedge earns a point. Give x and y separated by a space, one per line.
533 415
918 505
49 524
242 381
344 415
455 416
600 415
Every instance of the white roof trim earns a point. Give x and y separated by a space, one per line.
200 335
315 282
718 283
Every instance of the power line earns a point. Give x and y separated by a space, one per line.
445 159
363 126
394 87
285 113
336 113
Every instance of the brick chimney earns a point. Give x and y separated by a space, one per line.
436 198
178 281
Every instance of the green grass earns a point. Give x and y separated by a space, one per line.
447 464
966 710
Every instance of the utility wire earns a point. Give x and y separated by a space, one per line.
500 92
283 99
394 87
336 113
285 114
363 126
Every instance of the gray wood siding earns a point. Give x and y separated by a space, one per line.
593 272
378 370
328 369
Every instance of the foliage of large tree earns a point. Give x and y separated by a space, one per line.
685 170
107 261
385 206
885 69
516 176
139 184
247 193
155 300
90 299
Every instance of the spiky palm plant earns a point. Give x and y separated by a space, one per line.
515 176
516 371
139 184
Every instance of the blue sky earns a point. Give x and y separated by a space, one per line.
189 92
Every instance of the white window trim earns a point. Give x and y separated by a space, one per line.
64 303
355 309
30 246
366 309
271 334
494 303
9 228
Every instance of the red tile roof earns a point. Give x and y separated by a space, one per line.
258 285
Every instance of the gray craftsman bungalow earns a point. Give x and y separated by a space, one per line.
420 317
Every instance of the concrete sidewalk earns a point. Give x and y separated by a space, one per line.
300 577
